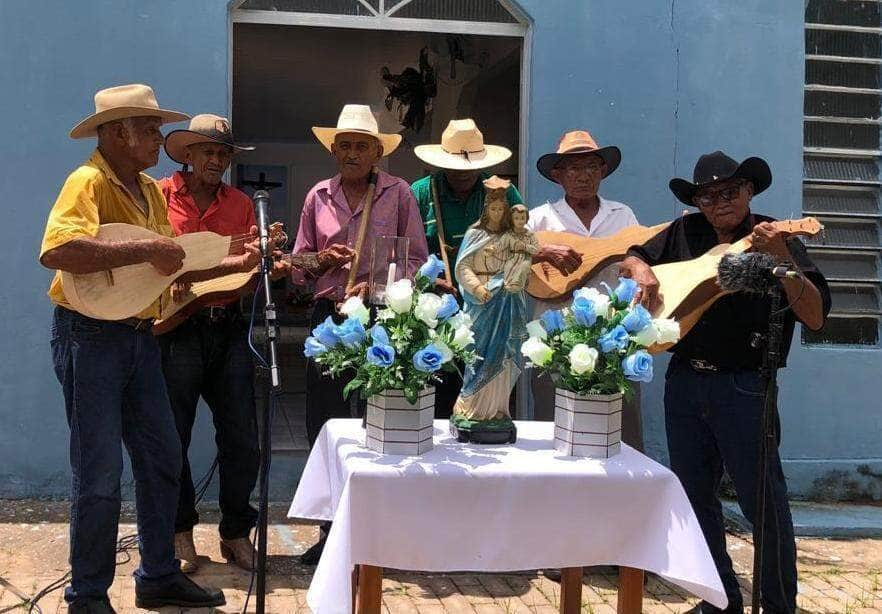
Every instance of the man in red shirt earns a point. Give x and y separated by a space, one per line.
208 355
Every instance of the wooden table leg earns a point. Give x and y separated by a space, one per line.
370 589
570 590
630 590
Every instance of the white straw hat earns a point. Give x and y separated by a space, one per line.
357 118
462 148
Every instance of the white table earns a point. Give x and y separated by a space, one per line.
465 507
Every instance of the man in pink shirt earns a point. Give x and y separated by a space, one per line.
332 214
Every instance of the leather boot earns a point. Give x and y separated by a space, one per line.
239 551
185 551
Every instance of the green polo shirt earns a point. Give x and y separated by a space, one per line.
456 214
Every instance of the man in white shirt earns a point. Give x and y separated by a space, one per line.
579 166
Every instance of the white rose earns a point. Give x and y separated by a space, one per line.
668 330
460 320
537 351
399 296
647 336
427 308
597 298
354 308
463 337
582 359
446 352
535 329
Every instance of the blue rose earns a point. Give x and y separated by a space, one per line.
351 332
449 306
552 320
433 267
626 290
313 347
616 339
326 333
638 366
583 311
381 355
637 319
428 359
379 335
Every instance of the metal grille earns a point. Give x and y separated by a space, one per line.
458 10
335 7
842 108
840 170
842 12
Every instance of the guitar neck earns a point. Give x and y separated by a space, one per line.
806 227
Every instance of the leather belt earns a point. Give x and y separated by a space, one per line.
137 323
218 313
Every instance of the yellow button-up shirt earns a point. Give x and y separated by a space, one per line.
94 195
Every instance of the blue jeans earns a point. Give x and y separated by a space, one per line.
114 392
212 360
713 421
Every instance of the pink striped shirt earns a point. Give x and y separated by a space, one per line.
327 219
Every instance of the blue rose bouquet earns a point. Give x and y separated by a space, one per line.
598 345
416 335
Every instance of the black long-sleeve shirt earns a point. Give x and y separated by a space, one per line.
723 334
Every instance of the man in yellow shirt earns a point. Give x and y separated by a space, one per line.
110 371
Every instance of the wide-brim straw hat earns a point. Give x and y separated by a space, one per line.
113 103
357 118
717 167
462 148
579 142
204 128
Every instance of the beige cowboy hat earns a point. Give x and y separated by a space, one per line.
579 142
462 148
120 102
204 128
357 118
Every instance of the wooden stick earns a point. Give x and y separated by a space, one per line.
630 591
439 227
362 228
370 590
571 590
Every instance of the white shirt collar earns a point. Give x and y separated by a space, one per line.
566 212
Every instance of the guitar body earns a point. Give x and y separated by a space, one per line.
125 291
201 294
546 282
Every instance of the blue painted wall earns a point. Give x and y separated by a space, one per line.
666 81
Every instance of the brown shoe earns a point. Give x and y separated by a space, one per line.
185 550
239 551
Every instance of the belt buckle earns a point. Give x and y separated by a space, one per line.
703 365
144 324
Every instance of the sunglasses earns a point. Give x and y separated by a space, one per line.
710 198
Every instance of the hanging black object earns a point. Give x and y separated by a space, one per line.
413 90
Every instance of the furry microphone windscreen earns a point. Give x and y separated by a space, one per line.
746 272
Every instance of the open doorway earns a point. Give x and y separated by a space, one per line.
295 63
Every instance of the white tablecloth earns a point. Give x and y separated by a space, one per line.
495 508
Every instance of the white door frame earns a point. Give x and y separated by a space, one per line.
381 20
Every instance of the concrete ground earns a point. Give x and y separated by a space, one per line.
836 575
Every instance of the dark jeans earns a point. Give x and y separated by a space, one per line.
324 396
713 421
212 360
114 391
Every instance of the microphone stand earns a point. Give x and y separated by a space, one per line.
261 202
768 436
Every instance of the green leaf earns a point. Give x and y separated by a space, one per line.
354 384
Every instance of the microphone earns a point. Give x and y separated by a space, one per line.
754 272
261 203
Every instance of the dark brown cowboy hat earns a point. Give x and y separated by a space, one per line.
205 128
717 167
579 142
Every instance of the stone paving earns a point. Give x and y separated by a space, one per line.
842 576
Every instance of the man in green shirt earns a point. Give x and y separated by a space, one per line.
462 159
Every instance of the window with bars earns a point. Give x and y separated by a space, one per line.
841 179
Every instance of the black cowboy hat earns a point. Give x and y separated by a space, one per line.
717 167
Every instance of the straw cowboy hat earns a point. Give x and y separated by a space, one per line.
204 128
357 118
717 167
120 102
462 148
579 142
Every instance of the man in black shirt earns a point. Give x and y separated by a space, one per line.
714 392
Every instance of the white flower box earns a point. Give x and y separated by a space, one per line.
395 426
587 425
